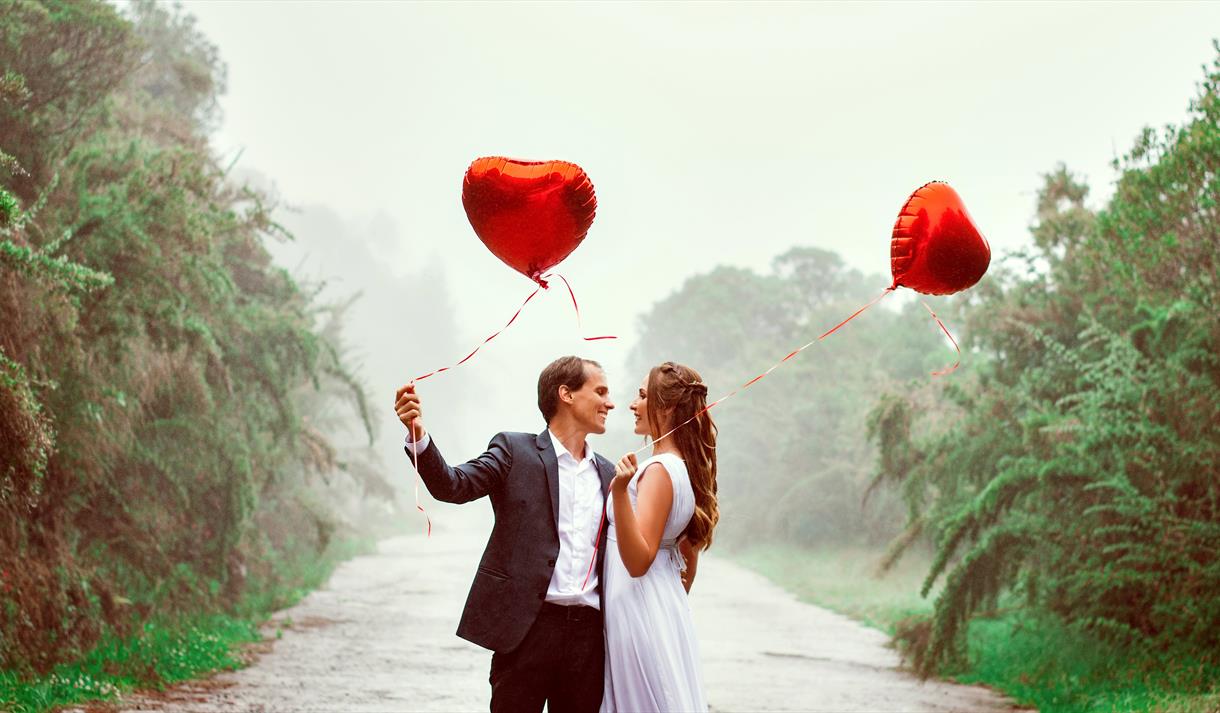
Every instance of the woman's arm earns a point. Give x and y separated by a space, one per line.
639 531
690 553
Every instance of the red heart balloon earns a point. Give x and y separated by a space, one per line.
530 214
936 248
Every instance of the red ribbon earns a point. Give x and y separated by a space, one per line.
942 372
577 308
802 348
485 341
415 464
542 285
597 540
773 367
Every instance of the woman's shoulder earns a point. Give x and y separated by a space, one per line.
671 463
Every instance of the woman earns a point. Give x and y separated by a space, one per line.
661 515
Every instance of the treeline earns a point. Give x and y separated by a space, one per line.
1076 475
161 382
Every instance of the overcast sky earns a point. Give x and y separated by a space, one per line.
713 133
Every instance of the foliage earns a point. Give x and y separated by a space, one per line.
1080 475
161 652
161 381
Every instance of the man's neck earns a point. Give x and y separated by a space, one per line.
572 437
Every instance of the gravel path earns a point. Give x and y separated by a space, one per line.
379 637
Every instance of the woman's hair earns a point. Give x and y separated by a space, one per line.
680 390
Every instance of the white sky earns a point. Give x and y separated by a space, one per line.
713 133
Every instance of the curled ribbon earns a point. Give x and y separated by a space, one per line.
415 464
542 285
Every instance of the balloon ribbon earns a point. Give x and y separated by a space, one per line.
415 464
751 382
542 285
802 348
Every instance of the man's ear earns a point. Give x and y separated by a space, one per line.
565 394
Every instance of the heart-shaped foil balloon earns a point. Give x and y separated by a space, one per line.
935 247
530 214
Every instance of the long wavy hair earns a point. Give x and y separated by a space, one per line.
680 391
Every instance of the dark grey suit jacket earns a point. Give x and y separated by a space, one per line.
520 473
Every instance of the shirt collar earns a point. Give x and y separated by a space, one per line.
560 451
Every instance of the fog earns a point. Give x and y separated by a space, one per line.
713 133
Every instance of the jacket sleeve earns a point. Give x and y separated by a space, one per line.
470 480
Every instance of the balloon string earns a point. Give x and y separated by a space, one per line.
741 388
773 367
542 285
942 372
418 477
577 308
485 341
856 313
597 540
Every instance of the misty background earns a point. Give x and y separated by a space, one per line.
714 134
230 231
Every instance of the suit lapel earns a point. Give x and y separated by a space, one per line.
606 470
550 465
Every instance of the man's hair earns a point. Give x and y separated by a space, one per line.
566 371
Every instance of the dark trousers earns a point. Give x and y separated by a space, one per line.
561 662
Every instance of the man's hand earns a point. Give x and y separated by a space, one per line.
623 472
407 406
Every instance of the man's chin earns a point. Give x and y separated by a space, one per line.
598 428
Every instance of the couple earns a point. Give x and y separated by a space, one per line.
581 592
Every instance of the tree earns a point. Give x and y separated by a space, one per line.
1081 472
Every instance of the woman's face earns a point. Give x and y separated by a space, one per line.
639 407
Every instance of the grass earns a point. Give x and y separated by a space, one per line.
1044 663
157 655
165 652
1037 661
844 580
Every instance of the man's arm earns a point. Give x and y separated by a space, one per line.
451 484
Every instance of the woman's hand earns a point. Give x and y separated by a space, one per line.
623 472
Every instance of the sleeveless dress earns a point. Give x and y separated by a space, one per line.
652 657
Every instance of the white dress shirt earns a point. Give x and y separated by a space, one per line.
580 511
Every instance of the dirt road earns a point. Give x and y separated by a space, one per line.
379 637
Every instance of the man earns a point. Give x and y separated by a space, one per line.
536 599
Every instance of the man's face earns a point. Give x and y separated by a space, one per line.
591 403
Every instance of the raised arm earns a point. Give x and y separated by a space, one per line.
452 484
639 531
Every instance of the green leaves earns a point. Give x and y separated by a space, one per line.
1083 469
154 365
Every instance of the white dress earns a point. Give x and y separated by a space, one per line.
652 658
